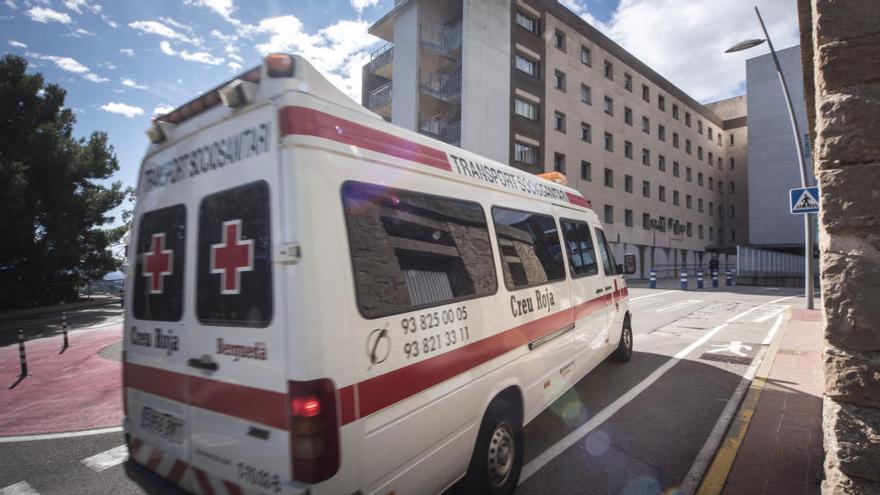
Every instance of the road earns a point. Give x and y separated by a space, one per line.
625 428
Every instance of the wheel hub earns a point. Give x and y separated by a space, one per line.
501 449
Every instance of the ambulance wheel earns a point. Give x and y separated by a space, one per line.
497 460
624 350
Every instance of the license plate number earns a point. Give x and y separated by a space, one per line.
162 424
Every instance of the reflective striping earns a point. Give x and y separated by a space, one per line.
176 470
155 459
106 459
232 488
20 488
204 483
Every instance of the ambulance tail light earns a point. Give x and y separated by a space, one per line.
279 65
314 430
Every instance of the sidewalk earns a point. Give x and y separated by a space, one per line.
775 443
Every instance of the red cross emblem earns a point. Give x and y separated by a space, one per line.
231 257
158 263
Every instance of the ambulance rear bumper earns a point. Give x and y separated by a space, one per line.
149 481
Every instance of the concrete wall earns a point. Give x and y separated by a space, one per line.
773 164
405 91
485 90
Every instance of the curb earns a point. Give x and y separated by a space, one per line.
716 475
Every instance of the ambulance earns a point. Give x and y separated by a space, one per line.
322 302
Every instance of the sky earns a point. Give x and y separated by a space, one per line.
122 62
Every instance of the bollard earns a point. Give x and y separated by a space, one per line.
21 357
715 278
684 279
699 279
728 279
653 277
64 329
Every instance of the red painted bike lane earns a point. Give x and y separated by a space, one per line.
70 391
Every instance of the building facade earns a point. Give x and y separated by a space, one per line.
772 150
529 83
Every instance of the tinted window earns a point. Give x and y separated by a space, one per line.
159 262
579 246
412 250
605 253
235 276
529 248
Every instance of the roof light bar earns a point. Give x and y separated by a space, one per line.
279 65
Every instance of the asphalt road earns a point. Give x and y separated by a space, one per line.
625 428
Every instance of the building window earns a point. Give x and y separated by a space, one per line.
699 126
609 105
609 70
609 214
700 178
525 153
627 81
628 149
732 211
711 184
700 231
586 56
675 198
559 80
687 146
646 157
525 109
661 193
559 121
675 111
646 125
609 177
609 142
731 139
661 133
527 65
709 132
628 183
586 94
711 208
733 235
711 233
688 174
559 163
687 119
586 132
700 205
700 153
690 229
732 186
628 115
719 164
719 137
689 202
675 171
731 163
628 218
526 22
646 189
661 163
646 93
646 221
675 140
586 171
559 40
661 103
711 159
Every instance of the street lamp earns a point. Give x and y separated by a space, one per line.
808 223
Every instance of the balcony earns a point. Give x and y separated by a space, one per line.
441 85
380 60
448 132
442 39
380 99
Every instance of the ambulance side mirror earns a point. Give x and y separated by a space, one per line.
629 263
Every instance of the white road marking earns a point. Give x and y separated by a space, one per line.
20 488
769 337
772 311
562 445
734 347
633 299
55 436
107 459
678 305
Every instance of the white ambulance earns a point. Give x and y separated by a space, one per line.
321 302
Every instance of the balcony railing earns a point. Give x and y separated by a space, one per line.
381 57
441 85
444 39
448 132
380 96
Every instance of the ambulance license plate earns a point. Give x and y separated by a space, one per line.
162 424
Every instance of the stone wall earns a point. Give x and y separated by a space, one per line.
846 65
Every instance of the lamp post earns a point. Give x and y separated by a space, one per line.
808 222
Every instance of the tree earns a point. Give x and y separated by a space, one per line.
56 189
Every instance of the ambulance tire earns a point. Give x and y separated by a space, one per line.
498 455
624 350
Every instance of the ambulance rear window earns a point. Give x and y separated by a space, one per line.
234 283
158 265
531 253
412 250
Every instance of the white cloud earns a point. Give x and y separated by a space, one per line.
159 29
94 78
108 65
168 20
64 63
360 5
684 40
78 5
222 7
131 84
163 109
79 33
166 48
201 57
46 15
338 51
122 109
234 66
232 53
11 4
17 44
226 38
127 52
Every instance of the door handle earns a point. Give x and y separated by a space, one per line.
608 288
203 363
599 291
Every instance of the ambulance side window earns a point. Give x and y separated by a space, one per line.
607 256
159 264
531 253
579 246
412 250
234 281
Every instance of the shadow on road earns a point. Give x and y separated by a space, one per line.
40 326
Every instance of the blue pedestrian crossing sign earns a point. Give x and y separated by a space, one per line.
804 200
